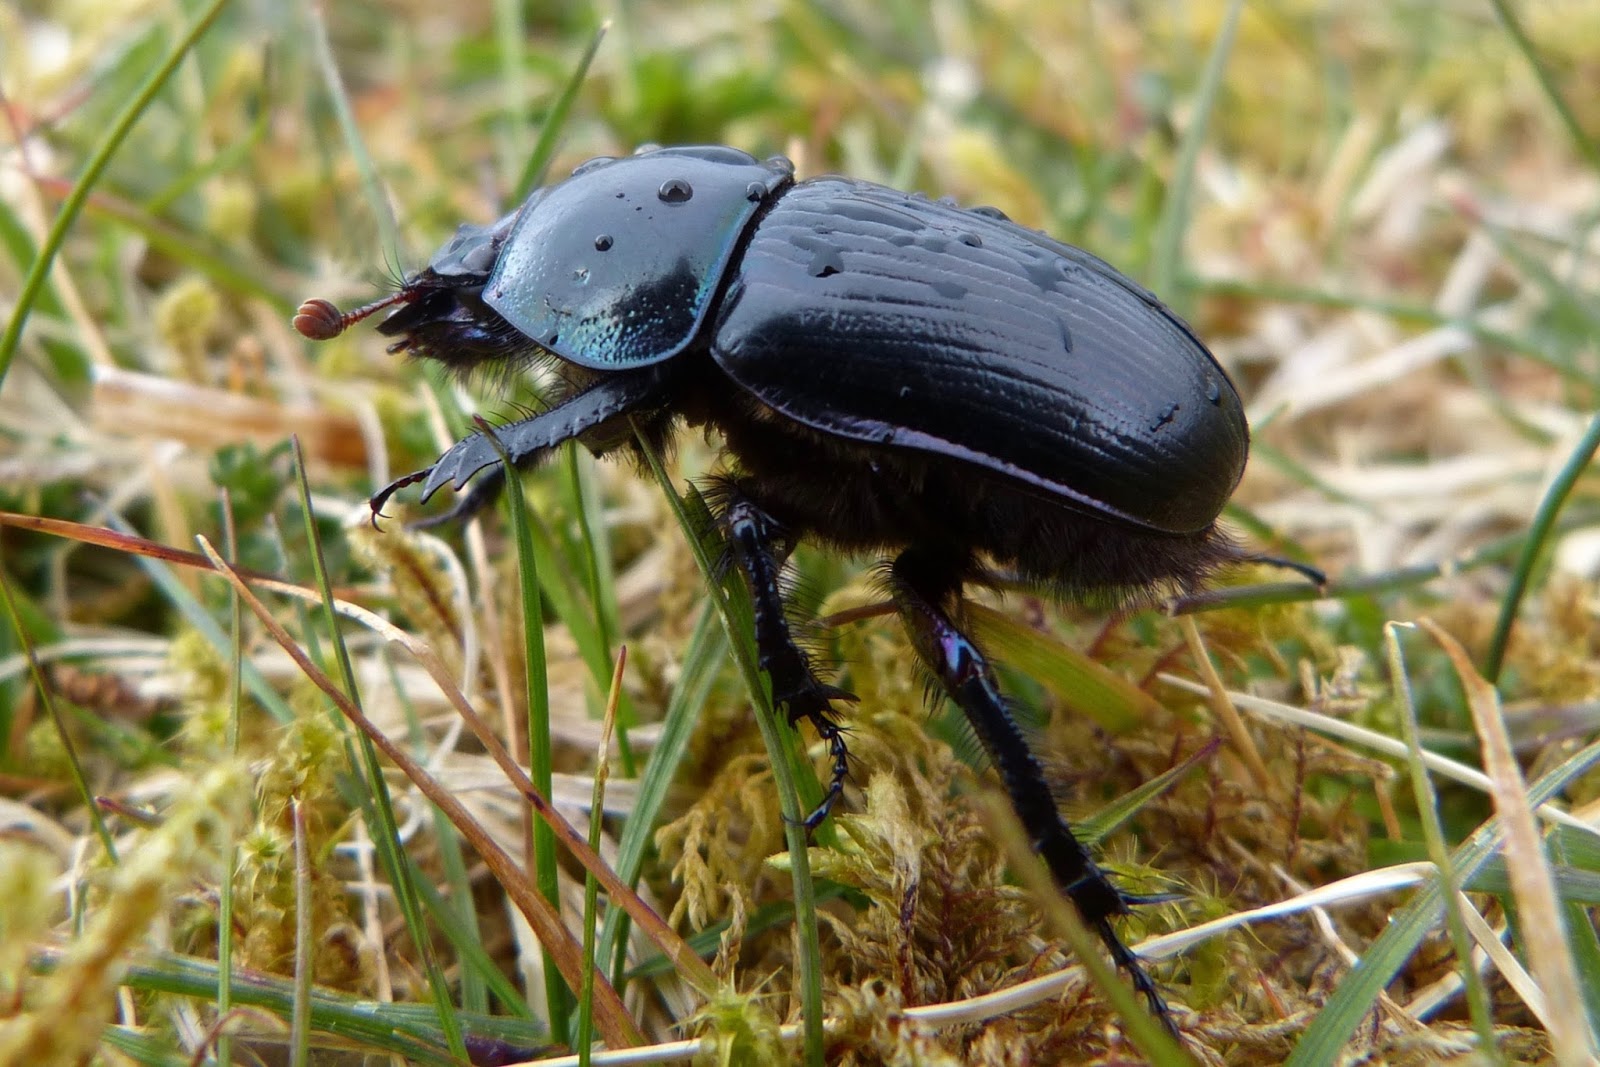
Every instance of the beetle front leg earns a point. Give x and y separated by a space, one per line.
922 584
753 537
527 441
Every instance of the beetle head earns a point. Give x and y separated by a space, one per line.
440 312
443 315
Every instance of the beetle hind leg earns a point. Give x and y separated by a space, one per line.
754 538
922 585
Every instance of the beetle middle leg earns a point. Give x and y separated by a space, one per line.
755 538
923 584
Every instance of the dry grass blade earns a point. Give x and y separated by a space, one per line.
1511 969
693 969
1546 943
611 1017
1223 706
1277 711
1380 221
691 966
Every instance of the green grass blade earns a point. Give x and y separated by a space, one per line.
1580 140
408 1030
39 271
1565 850
703 657
543 841
543 149
1427 801
385 831
355 144
779 741
1544 522
69 361
300 1009
230 851
594 550
1353 1000
591 885
1083 685
80 781
1164 272
1093 828
477 970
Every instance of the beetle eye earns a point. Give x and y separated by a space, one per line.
480 259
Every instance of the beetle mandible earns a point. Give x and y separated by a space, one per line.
890 375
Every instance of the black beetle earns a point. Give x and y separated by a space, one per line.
888 373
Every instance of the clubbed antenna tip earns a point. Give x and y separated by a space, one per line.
321 320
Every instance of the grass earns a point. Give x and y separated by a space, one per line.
1381 217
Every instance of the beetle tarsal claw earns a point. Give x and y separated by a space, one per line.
1148 900
1139 978
377 500
813 702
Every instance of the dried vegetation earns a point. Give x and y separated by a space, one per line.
1386 229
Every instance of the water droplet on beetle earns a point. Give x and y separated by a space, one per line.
581 275
603 243
675 191
755 192
1213 390
905 391
1066 334
971 240
588 165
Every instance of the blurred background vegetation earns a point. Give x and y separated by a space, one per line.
1381 216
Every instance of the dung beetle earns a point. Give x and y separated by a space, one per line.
889 374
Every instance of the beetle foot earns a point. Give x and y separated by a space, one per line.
377 500
484 492
1138 977
813 700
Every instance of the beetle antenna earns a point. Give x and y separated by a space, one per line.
321 320
1315 576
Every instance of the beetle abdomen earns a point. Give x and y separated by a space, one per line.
865 312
